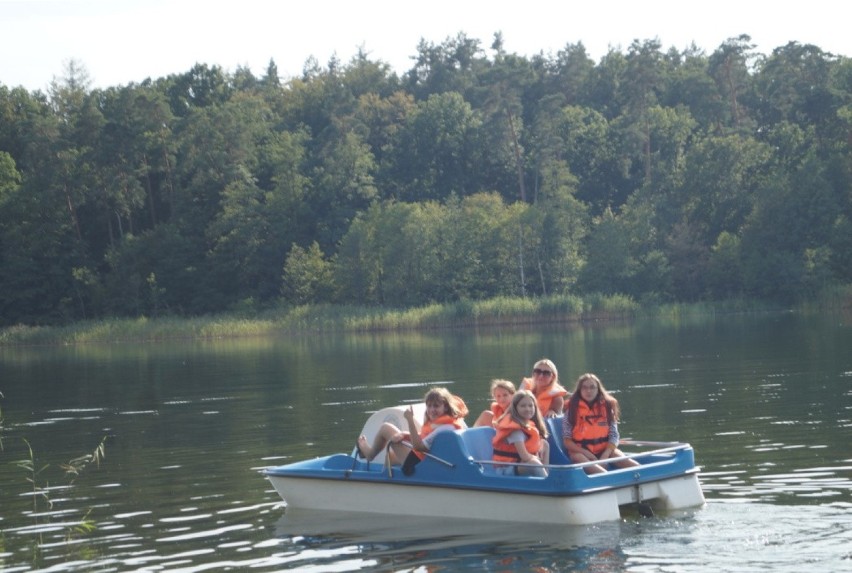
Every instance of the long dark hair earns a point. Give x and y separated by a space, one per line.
454 405
613 411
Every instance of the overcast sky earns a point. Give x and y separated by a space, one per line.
124 41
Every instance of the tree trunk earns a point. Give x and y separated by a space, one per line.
519 166
151 206
521 259
72 211
735 112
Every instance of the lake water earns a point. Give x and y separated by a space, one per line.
766 401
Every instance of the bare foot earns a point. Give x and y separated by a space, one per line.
364 448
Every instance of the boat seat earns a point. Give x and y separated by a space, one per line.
557 448
391 415
478 443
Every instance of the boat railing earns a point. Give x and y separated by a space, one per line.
647 443
670 447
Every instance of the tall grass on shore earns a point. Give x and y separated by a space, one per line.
321 318
134 329
502 311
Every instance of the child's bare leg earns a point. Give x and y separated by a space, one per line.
579 458
398 452
623 463
534 469
484 419
544 453
364 448
387 432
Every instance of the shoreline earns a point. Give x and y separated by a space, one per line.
502 312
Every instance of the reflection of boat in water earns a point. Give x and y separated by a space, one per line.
400 542
363 527
457 480
416 533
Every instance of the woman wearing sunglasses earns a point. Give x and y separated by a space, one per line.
544 384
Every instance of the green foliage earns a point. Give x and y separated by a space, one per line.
610 306
10 178
508 310
307 276
724 269
73 468
40 497
841 248
607 256
657 175
39 489
434 152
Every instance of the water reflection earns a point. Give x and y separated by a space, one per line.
765 401
406 542
722 537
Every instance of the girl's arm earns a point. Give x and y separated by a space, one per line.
526 457
613 440
572 447
556 407
414 435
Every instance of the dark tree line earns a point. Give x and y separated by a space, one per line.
662 175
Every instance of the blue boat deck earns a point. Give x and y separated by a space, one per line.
460 459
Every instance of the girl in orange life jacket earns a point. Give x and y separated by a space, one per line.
544 384
443 412
501 392
590 425
521 437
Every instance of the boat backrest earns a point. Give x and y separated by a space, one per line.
557 449
391 415
478 443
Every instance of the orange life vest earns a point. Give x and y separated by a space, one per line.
497 410
590 426
545 398
506 452
430 425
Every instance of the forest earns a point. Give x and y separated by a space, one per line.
659 174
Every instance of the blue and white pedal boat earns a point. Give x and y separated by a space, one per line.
457 480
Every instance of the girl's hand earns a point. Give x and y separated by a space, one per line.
409 414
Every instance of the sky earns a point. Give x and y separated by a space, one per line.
119 42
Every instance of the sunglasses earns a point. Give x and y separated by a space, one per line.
540 372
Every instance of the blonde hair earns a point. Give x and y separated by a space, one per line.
529 382
550 366
504 384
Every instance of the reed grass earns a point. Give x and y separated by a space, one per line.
501 311
732 306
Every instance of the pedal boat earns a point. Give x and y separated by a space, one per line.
457 480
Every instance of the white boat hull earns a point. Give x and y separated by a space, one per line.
457 479
387 498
